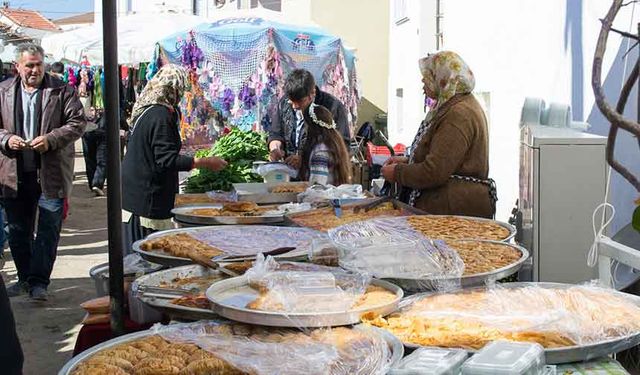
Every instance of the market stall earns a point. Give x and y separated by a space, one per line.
238 66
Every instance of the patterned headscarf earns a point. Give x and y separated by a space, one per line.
446 75
165 88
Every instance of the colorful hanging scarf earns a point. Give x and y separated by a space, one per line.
166 88
98 101
446 76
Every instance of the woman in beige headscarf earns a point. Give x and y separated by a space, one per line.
152 162
448 167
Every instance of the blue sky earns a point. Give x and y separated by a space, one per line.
55 9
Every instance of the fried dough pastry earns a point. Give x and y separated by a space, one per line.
211 366
289 188
324 219
180 245
455 228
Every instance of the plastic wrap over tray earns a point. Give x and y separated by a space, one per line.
220 347
254 350
316 289
320 193
388 248
572 322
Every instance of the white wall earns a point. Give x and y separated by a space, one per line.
515 49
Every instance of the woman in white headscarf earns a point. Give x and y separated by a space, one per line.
152 162
447 171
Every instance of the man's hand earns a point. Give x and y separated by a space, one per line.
275 151
397 160
293 161
213 163
16 143
389 172
276 155
40 144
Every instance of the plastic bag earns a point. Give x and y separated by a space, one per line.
552 315
270 351
266 168
134 264
303 289
386 248
320 193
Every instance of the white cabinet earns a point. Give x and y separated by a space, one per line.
562 180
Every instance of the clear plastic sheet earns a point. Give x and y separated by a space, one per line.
265 169
265 351
320 193
134 264
553 315
294 289
250 240
388 248
223 196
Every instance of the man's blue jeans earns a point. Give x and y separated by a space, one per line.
34 257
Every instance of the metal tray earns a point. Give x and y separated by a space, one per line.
163 302
183 215
173 261
479 279
405 208
567 354
260 193
229 298
395 347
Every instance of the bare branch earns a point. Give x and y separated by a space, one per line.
613 131
629 3
615 117
596 79
629 50
624 33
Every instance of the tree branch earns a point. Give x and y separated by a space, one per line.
616 119
596 79
624 33
613 131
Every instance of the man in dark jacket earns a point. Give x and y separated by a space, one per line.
287 131
40 118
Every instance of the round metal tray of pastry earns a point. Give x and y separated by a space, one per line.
568 354
185 215
149 289
230 297
396 348
248 240
509 227
466 281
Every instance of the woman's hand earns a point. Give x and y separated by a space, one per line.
213 163
389 172
397 160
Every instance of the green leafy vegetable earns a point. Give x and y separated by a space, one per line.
240 149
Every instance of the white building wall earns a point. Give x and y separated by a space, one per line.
516 49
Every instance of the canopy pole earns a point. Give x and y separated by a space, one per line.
114 193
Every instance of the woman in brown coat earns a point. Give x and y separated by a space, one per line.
448 168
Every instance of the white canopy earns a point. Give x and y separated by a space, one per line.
137 36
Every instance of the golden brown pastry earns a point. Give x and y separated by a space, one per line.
454 228
180 245
113 361
324 219
211 366
99 369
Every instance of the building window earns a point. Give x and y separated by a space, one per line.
400 13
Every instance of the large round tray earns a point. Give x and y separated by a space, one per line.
479 279
395 346
163 303
229 298
184 215
251 235
567 354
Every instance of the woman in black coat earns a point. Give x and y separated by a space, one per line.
152 162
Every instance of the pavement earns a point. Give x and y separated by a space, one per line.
48 330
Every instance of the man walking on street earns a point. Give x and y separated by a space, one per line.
40 119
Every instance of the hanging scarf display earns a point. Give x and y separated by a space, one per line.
97 100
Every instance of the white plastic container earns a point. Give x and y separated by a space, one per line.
507 358
431 361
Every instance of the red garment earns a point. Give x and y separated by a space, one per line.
94 334
65 208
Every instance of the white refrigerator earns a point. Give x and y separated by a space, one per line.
562 181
